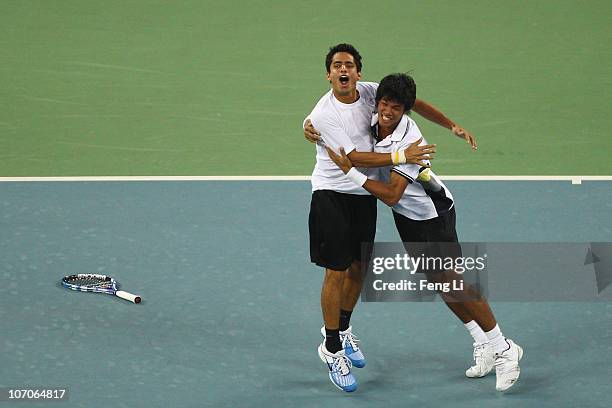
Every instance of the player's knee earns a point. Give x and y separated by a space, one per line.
356 271
334 278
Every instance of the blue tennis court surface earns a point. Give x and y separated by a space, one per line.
230 313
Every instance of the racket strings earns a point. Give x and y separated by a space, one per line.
90 281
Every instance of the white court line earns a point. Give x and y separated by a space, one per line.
158 178
573 179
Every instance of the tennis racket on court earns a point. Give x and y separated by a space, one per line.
91 282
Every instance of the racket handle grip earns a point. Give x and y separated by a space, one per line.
128 296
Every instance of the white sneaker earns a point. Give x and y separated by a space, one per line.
484 359
507 369
339 369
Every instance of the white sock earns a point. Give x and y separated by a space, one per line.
477 333
497 340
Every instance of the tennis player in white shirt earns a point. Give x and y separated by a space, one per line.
423 210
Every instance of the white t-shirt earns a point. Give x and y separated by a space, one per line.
343 125
416 203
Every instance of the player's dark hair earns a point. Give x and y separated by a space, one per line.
343 48
399 88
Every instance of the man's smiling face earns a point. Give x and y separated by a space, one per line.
390 113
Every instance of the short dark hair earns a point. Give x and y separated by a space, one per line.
343 48
399 88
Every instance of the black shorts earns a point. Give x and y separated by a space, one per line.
436 237
339 224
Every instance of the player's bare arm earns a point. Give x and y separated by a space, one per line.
433 114
389 193
341 159
424 109
414 154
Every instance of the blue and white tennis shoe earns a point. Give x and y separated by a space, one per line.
339 369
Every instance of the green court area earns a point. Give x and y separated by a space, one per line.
221 88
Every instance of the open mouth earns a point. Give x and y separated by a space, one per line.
385 118
344 79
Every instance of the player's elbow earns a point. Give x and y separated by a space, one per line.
388 202
392 199
396 194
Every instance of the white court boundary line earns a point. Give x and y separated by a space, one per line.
573 179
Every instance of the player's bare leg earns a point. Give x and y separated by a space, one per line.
331 351
351 289
498 352
331 301
466 303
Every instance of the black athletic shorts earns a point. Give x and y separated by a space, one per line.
338 224
436 237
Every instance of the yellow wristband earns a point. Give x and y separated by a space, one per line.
401 157
395 158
